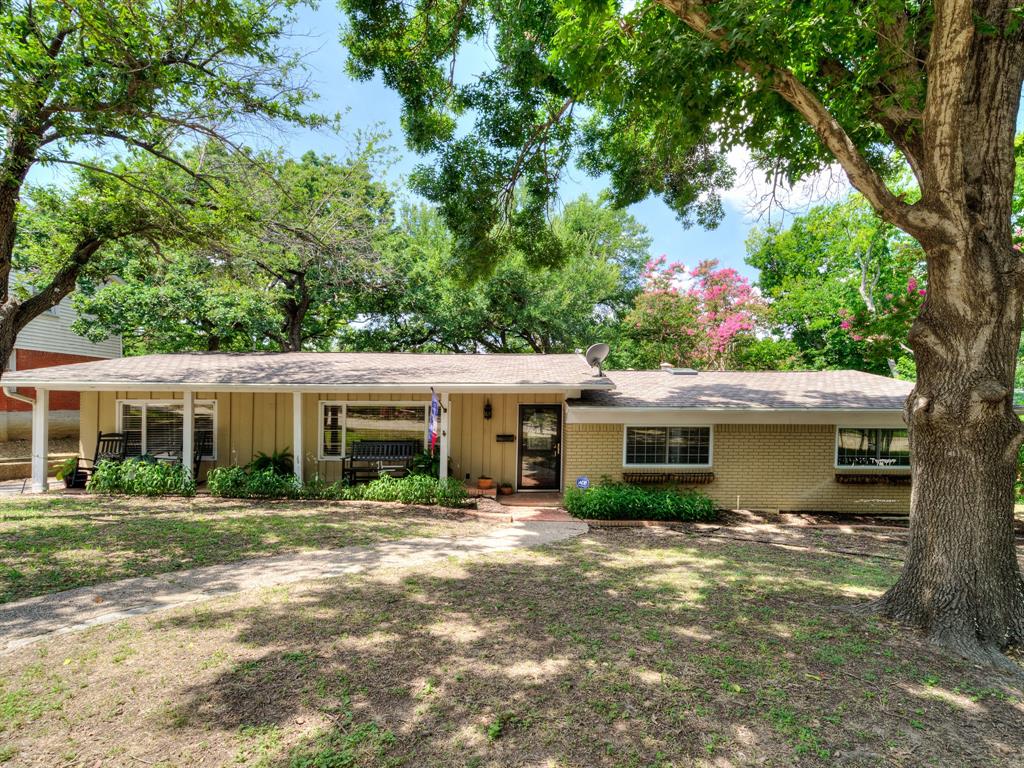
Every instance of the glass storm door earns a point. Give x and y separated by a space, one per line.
540 447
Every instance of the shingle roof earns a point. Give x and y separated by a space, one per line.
325 371
816 390
337 371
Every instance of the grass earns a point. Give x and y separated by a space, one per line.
623 648
51 544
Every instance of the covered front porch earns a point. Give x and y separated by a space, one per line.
512 438
499 416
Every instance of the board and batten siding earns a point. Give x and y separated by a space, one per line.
51 332
248 423
475 447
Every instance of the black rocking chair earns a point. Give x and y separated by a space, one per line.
202 446
110 446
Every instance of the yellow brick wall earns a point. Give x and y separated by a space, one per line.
774 467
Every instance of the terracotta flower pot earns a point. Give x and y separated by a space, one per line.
483 483
505 490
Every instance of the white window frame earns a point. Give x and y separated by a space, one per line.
711 446
322 404
145 403
861 467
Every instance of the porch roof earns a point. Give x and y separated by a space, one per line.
318 372
749 390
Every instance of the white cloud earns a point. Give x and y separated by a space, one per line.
758 197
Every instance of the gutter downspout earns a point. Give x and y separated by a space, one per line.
12 392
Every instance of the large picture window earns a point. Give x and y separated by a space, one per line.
872 448
155 427
342 424
668 446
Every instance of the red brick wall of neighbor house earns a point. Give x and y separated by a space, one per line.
25 359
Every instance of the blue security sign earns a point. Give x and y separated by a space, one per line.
583 483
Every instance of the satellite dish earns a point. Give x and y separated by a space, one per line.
596 355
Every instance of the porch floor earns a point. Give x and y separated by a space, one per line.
24 485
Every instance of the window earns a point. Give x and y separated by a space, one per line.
668 446
872 448
155 427
342 424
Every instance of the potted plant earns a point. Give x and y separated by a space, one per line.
67 471
484 482
505 489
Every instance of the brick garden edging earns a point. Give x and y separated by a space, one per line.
632 523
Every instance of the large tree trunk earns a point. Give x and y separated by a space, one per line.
961 581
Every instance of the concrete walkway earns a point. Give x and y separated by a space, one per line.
26 621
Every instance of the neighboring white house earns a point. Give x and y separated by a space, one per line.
48 340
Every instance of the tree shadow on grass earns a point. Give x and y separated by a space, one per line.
621 649
59 552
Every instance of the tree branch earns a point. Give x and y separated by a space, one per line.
915 218
952 36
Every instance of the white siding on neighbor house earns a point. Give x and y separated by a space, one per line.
51 332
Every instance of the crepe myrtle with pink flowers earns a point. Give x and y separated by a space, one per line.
881 324
692 317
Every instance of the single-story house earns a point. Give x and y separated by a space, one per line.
793 440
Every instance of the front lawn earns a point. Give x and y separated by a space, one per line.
623 648
50 544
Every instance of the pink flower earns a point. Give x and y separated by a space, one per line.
921 292
846 325
911 285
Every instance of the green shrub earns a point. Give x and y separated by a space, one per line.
412 489
281 463
228 482
427 463
318 488
618 501
243 483
142 478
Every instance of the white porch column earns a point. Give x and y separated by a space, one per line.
188 431
442 438
40 441
297 434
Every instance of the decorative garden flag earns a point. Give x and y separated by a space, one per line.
433 427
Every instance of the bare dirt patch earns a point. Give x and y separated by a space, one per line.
620 648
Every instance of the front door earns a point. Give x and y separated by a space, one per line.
540 447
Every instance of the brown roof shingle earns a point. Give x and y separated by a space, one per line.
826 390
337 371
324 370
